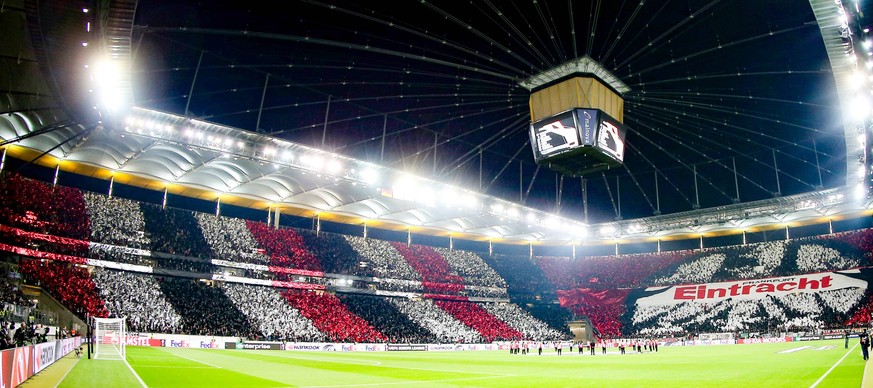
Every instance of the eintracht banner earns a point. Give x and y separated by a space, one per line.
753 289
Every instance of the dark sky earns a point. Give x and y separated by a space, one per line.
713 84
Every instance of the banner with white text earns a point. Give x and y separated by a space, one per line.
754 289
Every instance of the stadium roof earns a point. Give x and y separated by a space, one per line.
730 106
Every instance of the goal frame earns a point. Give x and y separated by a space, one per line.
109 338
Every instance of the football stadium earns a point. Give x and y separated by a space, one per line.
335 193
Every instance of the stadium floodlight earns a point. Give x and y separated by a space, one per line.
470 201
369 176
607 231
334 167
580 231
859 108
860 191
110 336
106 78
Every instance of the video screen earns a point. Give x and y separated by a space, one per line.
554 135
610 138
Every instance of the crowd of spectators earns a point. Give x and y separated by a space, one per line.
271 314
10 292
64 220
471 268
70 284
605 317
531 328
139 298
21 334
753 260
444 327
174 231
116 221
863 313
862 240
476 317
552 314
205 309
43 242
817 257
382 259
39 207
386 318
331 317
524 279
699 270
606 272
230 239
436 274
334 253
795 312
285 248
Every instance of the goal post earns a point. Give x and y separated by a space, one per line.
109 338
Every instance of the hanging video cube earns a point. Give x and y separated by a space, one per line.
578 141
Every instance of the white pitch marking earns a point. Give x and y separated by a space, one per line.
832 368
68 372
134 373
202 362
792 350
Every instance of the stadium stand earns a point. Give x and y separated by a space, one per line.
139 298
516 318
205 310
334 253
476 317
284 247
331 317
230 239
38 207
436 320
273 317
70 284
386 318
382 259
181 243
436 273
524 279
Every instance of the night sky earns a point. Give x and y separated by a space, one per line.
713 84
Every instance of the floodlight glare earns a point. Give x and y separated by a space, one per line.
369 176
106 79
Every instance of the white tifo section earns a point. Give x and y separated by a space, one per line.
109 338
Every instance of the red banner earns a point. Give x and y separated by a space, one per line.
43 255
592 298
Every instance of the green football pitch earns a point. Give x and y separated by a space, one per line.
798 364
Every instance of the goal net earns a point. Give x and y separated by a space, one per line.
109 338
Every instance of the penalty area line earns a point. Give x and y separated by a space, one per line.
820 379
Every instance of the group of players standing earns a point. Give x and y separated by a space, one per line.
636 345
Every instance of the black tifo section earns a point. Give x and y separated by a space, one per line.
177 232
385 318
205 310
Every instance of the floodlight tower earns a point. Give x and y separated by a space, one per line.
577 115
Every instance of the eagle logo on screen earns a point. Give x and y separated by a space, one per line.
608 139
556 136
